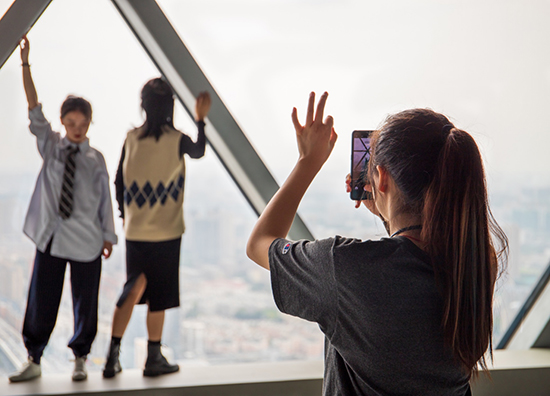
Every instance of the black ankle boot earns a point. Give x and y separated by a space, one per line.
156 363
112 365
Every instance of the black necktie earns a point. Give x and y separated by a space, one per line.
66 200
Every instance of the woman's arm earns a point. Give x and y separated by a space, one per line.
30 90
39 125
119 183
196 150
316 140
106 217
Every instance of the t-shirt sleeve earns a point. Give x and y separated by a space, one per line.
303 281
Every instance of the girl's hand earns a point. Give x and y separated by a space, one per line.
202 107
25 49
315 138
107 249
369 203
348 190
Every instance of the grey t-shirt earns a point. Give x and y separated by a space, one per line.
379 308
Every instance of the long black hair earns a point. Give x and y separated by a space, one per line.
157 100
439 172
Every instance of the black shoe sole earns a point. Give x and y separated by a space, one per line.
110 373
156 373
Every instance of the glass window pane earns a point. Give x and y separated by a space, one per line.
264 58
227 313
4 6
376 58
108 67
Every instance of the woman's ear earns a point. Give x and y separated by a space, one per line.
383 179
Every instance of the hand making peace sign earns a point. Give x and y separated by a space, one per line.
316 138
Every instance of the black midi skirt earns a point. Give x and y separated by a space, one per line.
160 262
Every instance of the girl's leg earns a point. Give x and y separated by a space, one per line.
85 289
43 302
155 323
123 313
156 363
121 317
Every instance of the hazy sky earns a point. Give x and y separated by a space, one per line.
486 64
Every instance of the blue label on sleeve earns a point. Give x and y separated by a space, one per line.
286 248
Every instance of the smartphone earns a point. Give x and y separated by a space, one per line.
360 156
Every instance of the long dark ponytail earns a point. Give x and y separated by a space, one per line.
439 172
157 100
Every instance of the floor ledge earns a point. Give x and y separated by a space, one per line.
514 372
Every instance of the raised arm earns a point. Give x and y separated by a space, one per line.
187 146
316 139
39 126
30 90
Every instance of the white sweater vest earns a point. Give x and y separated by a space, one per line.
154 177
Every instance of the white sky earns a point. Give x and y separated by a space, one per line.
486 64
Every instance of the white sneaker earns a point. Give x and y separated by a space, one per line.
29 371
80 373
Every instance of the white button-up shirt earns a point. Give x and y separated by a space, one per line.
81 236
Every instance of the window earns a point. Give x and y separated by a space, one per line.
480 63
227 313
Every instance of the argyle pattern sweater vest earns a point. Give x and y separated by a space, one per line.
154 178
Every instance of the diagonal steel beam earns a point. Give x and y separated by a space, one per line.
16 22
175 62
531 327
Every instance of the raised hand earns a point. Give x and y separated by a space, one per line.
202 107
316 138
24 49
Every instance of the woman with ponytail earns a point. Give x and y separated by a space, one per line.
410 314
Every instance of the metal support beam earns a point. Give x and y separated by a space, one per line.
16 22
531 327
175 62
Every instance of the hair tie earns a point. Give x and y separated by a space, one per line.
447 129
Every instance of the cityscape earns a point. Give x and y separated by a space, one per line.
227 313
263 59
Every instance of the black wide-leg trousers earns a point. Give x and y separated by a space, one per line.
45 296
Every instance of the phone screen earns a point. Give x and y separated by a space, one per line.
360 156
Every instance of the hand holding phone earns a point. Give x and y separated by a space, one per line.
360 156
